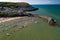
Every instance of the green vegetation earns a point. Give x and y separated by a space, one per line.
3 14
8 15
12 4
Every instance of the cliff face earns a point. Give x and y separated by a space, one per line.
11 9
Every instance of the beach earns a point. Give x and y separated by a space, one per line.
9 19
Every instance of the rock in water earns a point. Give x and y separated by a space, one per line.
7 34
52 22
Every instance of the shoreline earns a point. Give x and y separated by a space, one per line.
9 19
49 19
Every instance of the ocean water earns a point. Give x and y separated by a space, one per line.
52 11
43 31
40 31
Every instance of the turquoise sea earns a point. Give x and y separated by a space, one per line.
52 11
41 30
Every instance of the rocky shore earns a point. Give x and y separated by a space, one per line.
49 20
15 9
19 10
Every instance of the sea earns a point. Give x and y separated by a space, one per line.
51 10
41 30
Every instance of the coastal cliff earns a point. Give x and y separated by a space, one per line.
9 9
15 9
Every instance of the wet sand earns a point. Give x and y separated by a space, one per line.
9 19
14 18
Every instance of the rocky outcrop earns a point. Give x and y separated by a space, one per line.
15 9
50 20
21 9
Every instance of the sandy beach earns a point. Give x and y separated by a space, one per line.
9 19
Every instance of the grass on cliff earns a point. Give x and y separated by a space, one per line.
12 4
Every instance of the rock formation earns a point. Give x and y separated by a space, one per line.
21 9
15 9
50 20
